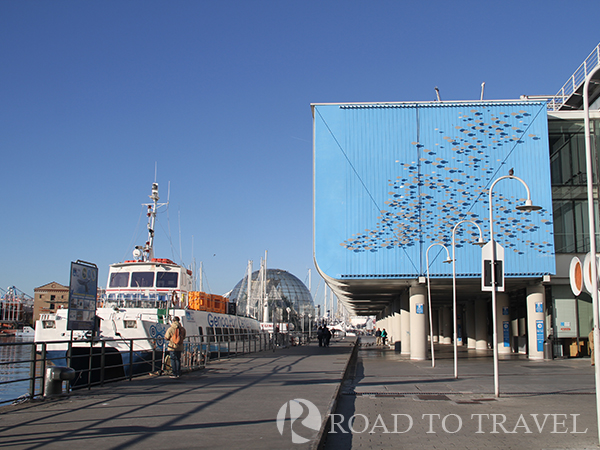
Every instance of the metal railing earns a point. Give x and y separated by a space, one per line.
576 80
97 361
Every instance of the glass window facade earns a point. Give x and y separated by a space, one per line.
569 184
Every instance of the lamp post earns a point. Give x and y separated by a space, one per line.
448 260
528 206
592 231
480 243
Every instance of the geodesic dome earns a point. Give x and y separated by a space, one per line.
283 290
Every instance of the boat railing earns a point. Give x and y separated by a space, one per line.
154 300
96 362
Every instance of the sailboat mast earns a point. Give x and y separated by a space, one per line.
249 291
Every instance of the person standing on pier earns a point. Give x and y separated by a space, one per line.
320 336
326 336
175 335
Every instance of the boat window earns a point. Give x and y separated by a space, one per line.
219 333
166 279
48 324
130 323
142 279
120 279
211 334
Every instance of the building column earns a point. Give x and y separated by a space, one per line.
436 326
503 323
447 325
396 326
470 324
481 317
439 314
535 321
418 322
405 323
459 325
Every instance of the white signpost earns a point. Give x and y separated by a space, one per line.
487 262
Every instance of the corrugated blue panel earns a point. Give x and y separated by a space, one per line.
390 180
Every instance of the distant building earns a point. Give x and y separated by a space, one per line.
48 298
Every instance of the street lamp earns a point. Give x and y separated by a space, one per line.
592 231
528 206
448 260
480 243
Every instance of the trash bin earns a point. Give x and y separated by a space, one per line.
548 349
398 346
54 378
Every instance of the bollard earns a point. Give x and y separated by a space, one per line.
548 349
54 378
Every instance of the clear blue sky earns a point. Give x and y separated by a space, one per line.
217 94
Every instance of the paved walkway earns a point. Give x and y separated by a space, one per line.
395 403
232 404
398 403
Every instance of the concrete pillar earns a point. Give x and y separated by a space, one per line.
439 314
447 325
470 324
405 323
459 325
503 323
536 331
418 322
436 326
396 324
481 317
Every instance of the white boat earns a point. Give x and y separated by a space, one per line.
142 297
26 332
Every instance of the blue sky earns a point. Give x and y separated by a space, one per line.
216 95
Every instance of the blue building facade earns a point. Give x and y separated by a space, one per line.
392 179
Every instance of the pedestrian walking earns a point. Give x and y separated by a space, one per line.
175 335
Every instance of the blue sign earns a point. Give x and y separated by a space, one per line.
539 329
505 329
420 309
505 310
539 307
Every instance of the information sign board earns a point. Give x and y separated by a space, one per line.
83 288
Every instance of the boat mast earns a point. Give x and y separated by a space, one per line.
146 252
249 289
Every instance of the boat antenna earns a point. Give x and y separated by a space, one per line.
482 88
146 252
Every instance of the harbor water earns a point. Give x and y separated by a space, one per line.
15 367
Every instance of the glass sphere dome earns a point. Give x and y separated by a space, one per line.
283 291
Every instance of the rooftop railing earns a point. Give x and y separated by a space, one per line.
576 80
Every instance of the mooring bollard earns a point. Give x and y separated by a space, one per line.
54 378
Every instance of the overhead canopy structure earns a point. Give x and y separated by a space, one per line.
390 179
